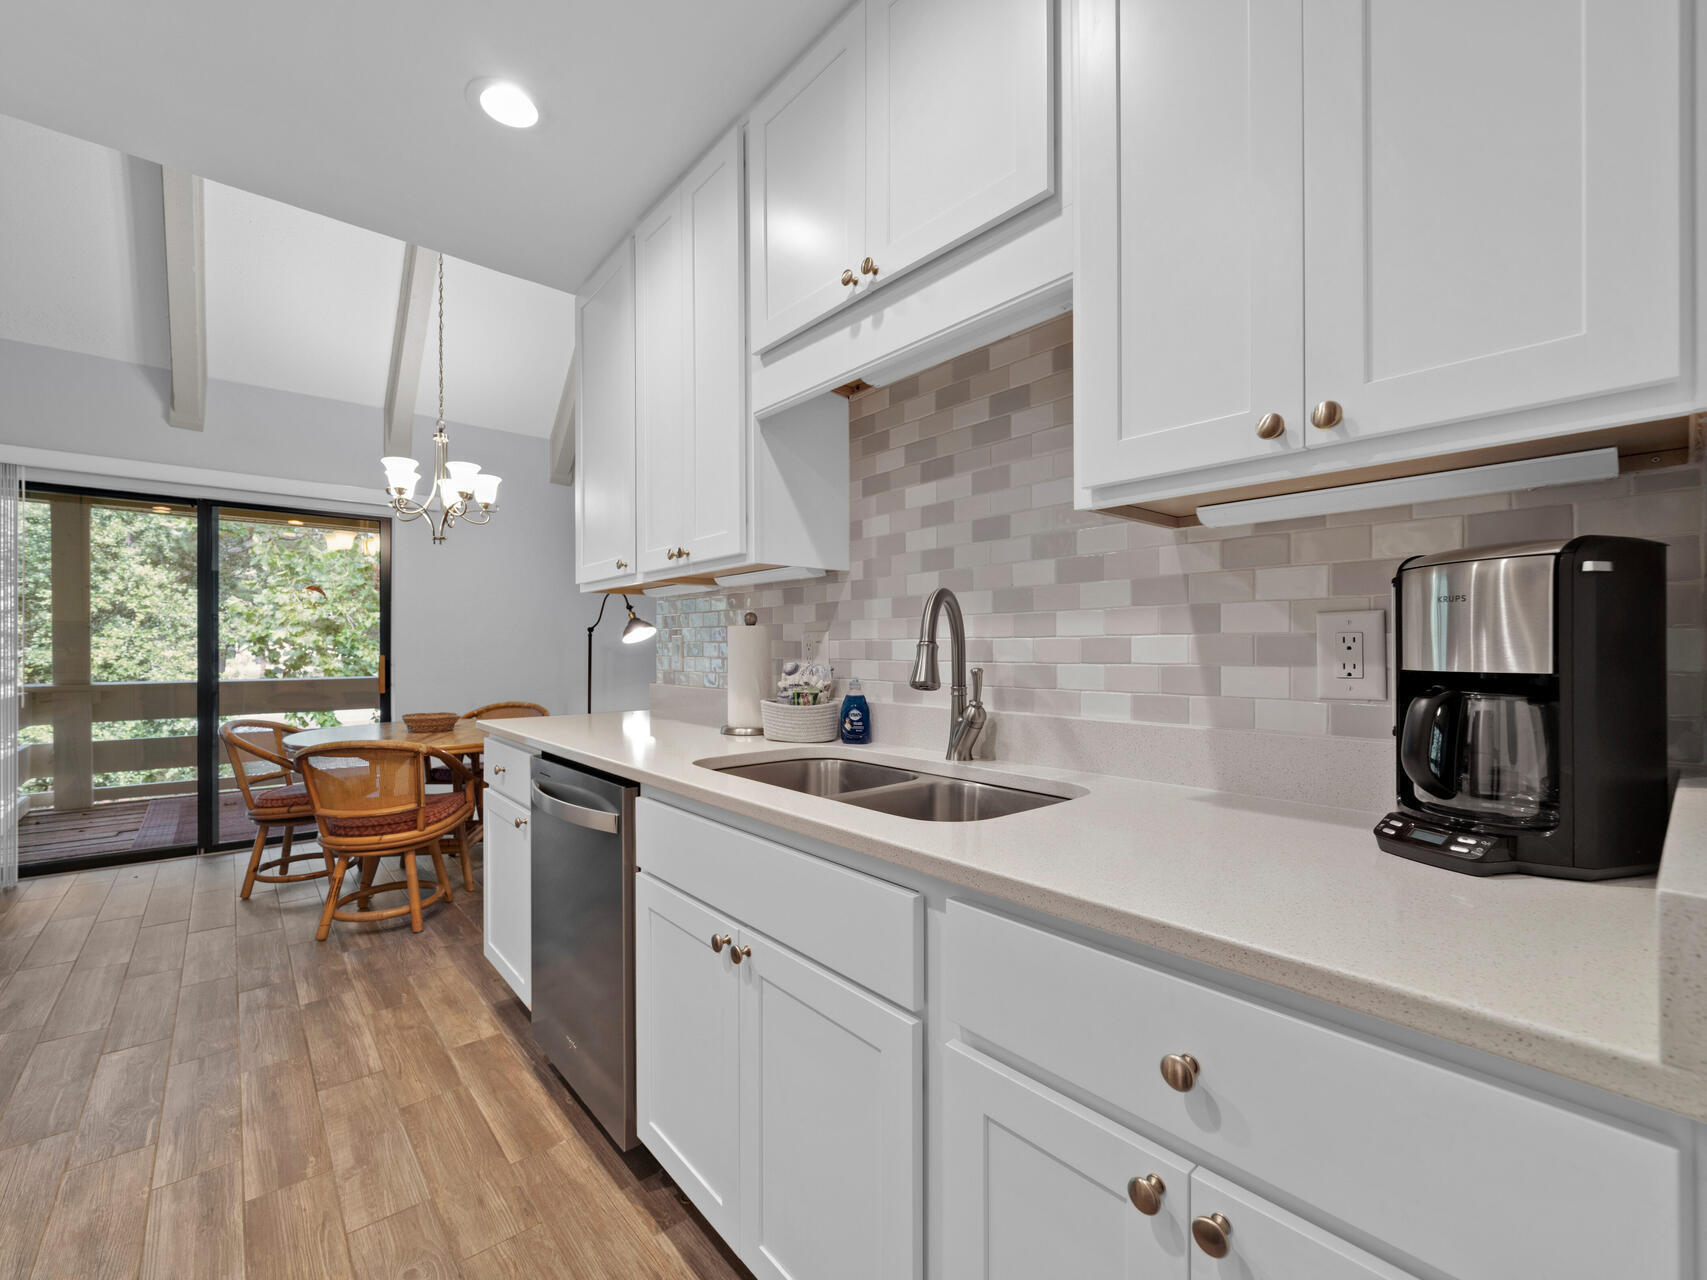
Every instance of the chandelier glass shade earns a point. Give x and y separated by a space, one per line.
459 490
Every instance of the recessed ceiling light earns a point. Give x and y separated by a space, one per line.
507 103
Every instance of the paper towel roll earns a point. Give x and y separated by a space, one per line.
749 674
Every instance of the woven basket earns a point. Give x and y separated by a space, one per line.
430 721
785 722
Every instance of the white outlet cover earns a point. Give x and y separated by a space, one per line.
1372 687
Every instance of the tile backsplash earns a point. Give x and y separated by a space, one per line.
962 477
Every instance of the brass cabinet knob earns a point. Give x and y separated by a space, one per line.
622 564
1327 415
848 277
1211 1232
1271 426
670 555
738 954
1146 1194
719 941
1180 1071
497 769
868 268
681 553
520 822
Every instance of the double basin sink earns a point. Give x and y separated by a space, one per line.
907 793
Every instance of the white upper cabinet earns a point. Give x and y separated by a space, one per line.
806 185
692 395
660 408
1377 232
1189 329
1491 206
714 382
909 128
960 131
604 422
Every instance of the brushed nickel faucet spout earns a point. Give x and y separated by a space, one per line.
965 720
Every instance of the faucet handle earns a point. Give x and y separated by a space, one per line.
977 684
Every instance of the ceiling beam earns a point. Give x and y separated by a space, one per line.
408 346
563 427
186 297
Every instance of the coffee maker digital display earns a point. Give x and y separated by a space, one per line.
1530 706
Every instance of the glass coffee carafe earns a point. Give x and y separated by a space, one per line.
1490 758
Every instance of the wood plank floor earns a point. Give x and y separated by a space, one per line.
193 1086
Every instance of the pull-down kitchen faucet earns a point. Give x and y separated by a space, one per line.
965 720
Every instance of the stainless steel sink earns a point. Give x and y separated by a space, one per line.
924 797
825 777
950 800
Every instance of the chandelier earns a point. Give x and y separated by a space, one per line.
458 487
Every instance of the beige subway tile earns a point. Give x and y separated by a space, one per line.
1222 713
1417 537
1324 545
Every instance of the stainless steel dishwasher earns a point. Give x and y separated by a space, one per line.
583 936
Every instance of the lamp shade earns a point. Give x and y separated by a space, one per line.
637 629
463 473
486 488
400 473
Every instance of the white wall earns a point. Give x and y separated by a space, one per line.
491 614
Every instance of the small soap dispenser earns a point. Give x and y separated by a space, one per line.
856 716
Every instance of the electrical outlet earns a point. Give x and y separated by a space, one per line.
1351 655
1349 646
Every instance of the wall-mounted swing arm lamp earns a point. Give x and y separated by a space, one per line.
634 631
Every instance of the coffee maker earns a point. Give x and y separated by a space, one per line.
1530 705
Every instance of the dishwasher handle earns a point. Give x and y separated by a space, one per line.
580 815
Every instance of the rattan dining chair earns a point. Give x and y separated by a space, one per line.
491 711
371 801
256 751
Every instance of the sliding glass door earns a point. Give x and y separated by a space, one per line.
148 622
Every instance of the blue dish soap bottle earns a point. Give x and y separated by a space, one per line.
856 716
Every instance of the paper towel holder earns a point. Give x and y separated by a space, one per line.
743 730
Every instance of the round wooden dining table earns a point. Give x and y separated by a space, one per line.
461 739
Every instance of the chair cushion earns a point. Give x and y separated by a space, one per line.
439 809
440 773
295 797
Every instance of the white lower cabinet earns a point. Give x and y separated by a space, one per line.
832 1123
1263 1242
507 892
1036 1185
688 1049
784 1100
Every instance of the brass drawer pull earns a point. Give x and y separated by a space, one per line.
1328 415
868 268
1272 427
1146 1194
719 941
848 277
622 564
1180 1070
738 954
520 822
497 769
1211 1232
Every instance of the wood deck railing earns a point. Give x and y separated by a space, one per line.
75 756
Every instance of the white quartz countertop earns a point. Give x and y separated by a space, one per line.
1555 974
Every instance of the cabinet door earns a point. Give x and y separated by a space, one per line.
806 185
1038 1186
688 1049
661 428
961 121
1492 211
604 423
714 451
1188 288
1267 1243
506 892
832 1082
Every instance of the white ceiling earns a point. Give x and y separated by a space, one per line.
295 301
359 111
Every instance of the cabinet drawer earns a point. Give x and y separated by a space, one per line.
867 929
1435 1162
507 768
1266 1241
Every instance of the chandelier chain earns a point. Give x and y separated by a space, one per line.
441 339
